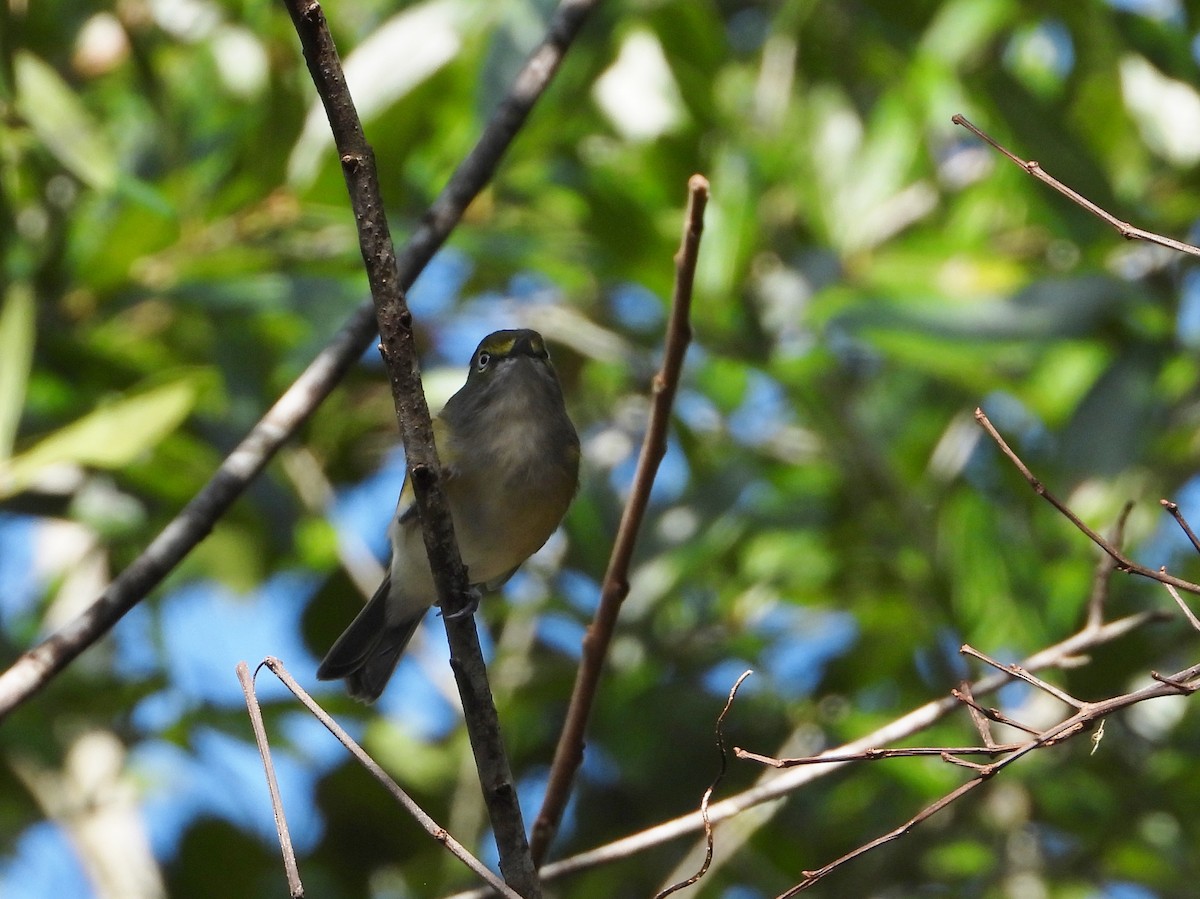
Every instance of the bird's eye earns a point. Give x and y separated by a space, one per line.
482 361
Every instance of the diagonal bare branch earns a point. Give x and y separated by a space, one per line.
1126 230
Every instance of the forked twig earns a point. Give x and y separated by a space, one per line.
1021 674
1090 714
874 754
430 826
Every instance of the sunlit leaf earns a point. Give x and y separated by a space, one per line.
63 123
110 437
16 354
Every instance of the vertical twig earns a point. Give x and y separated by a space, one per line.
569 753
704 800
1102 574
295 887
397 347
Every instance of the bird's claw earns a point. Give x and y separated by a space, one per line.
474 597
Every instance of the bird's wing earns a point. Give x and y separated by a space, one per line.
406 508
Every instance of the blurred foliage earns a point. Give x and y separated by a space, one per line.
175 245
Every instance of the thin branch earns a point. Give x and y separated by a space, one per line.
1173 509
875 754
981 722
1188 613
1126 230
992 714
811 877
1105 565
36 667
1123 563
775 785
295 887
708 833
430 826
1021 674
568 755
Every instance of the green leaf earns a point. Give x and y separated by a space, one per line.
58 117
110 437
16 355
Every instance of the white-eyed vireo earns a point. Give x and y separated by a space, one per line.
510 465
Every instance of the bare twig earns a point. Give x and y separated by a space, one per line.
36 667
1021 674
991 713
431 827
1173 509
775 785
295 887
981 722
1126 230
811 877
708 834
1105 565
569 753
1122 563
874 754
1187 612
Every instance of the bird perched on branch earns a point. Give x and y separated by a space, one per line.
510 465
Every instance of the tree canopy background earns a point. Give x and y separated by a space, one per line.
175 245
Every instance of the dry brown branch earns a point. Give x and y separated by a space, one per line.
1126 230
1122 562
1021 674
1101 577
431 827
1088 716
981 722
874 754
991 713
1188 613
1173 509
708 833
568 755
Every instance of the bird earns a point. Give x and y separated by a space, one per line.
510 464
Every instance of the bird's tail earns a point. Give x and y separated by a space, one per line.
367 652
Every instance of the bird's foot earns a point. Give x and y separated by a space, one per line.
474 597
